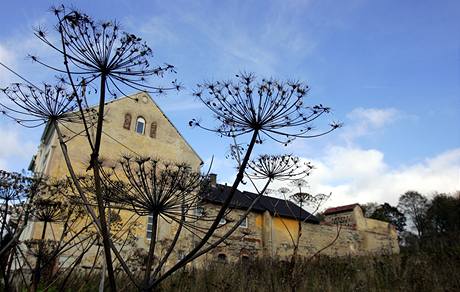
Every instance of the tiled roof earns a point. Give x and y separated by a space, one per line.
276 207
340 209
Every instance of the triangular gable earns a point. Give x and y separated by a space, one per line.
139 96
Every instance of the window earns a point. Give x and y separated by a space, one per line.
153 130
222 257
140 125
149 226
127 122
199 211
44 160
222 221
180 255
244 223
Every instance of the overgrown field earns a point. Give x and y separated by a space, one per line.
406 272
420 272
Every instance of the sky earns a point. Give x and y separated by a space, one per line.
390 70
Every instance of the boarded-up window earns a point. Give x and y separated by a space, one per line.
153 130
127 122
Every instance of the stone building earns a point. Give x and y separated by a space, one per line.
271 229
136 125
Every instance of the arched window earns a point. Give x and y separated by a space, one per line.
127 122
222 257
140 125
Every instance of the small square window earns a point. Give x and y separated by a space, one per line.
222 221
244 223
222 258
180 255
199 211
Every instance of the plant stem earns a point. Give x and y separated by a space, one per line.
150 258
226 203
97 183
36 275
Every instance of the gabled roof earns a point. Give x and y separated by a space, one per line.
276 207
340 209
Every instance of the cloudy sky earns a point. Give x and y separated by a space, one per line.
389 69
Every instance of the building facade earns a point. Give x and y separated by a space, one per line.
136 126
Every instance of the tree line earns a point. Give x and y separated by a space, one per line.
421 223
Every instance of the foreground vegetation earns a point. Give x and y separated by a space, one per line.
421 271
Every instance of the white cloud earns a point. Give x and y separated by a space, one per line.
158 29
16 151
364 121
375 117
355 174
242 39
359 175
7 57
179 103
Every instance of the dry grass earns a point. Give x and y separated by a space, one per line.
406 272
420 272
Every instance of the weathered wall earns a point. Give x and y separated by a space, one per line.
357 235
118 141
269 235
167 145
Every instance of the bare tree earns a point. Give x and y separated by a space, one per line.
414 205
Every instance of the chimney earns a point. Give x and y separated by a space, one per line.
213 180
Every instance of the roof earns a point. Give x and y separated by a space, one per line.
276 207
340 209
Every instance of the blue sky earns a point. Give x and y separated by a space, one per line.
389 69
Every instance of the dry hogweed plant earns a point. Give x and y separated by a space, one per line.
161 190
101 61
98 59
17 191
262 110
298 194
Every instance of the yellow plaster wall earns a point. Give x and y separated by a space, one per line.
168 145
117 141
